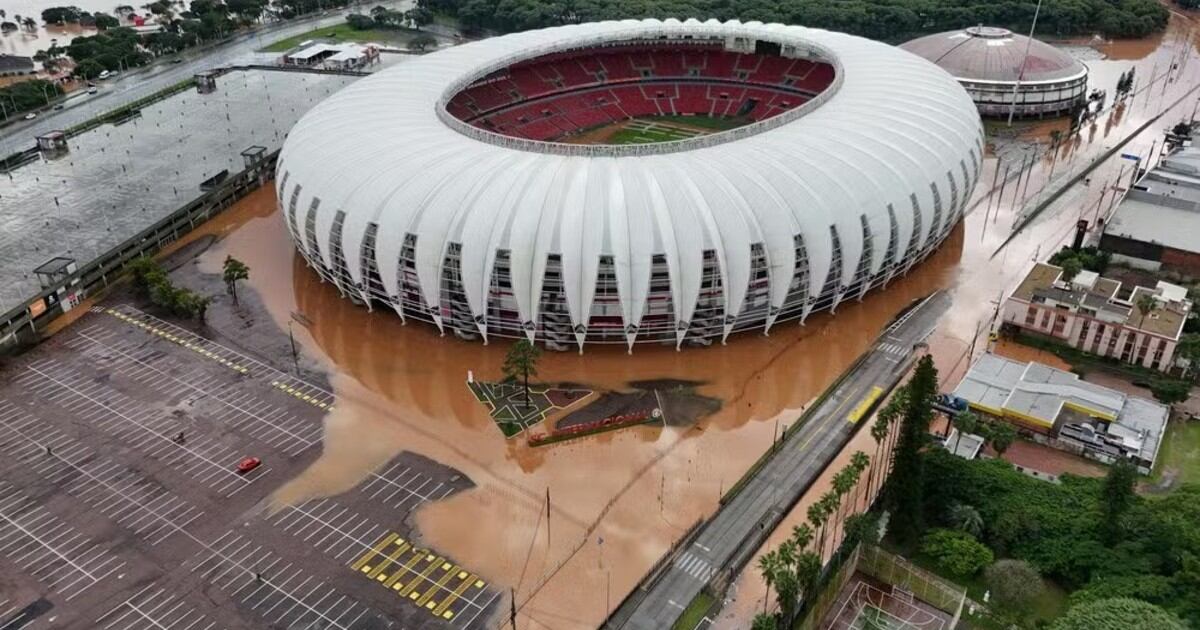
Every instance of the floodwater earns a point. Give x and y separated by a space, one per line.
27 43
618 500
117 180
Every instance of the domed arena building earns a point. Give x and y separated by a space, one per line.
987 61
635 181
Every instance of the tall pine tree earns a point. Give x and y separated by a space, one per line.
905 495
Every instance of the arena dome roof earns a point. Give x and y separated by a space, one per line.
865 178
988 53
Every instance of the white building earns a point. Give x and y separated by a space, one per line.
431 188
333 56
1060 409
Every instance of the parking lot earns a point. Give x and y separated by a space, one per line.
125 502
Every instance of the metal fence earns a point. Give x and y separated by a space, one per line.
925 586
825 600
22 325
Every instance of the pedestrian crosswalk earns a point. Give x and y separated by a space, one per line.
893 348
695 566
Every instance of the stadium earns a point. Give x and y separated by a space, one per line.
990 62
631 182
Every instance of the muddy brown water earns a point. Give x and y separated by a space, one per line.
403 388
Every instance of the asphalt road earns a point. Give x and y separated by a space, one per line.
740 526
135 84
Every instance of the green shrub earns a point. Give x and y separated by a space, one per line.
955 551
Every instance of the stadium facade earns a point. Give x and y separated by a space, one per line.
988 61
454 188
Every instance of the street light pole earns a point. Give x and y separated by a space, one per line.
1021 73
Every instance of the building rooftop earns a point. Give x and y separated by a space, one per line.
1050 397
9 63
1104 299
988 53
1165 207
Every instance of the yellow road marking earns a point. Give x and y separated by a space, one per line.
400 573
367 557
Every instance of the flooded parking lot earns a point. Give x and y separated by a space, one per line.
119 179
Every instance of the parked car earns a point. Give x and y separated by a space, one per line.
248 464
92 90
30 115
58 107
177 60
104 75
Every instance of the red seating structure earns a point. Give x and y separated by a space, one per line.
564 93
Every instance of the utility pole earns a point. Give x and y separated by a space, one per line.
1021 73
512 610
547 520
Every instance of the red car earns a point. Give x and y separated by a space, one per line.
248 464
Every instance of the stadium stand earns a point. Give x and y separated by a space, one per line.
557 95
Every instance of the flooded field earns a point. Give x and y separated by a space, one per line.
119 179
573 526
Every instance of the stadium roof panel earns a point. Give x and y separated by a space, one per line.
984 53
893 132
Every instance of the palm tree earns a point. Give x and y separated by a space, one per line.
966 518
768 565
860 462
1146 304
521 362
802 537
879 431
965 422
816 521
843 483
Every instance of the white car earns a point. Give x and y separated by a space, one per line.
92 90
104 75
30 115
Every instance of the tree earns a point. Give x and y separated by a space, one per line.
966 518
1015 586
419 16
1071 268
1145 304
1169 391
61 15
232 271
105 21
906 487
879 433
966 422
360 22
860 462
1001 435
521 362
1116 498
956 552
422 42
763 621
1117 613
768 565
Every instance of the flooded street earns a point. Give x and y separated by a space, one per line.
618 500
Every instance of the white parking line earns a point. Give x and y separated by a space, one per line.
392 482
150 430
154 610
119 493
62 554
260 580
291 439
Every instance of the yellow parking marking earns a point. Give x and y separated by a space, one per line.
395 581
478 583
410 571
437 588
443 607
422 577
389 561
373 553
447 614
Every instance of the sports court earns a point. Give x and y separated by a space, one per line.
125 503
868 604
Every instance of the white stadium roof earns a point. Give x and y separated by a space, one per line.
385 152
